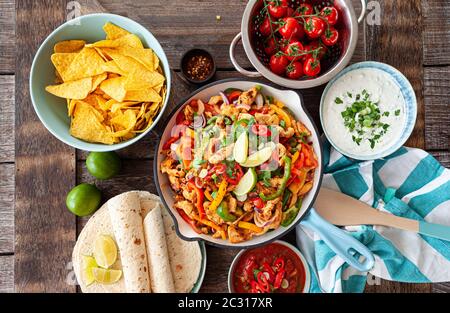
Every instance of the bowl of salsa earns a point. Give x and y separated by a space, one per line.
278 267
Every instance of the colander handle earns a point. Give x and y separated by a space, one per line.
363 10
239 68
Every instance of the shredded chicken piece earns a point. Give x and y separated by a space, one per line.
221 155
248 97
266 211
236 235
189 113
229 110
232 204
267 119
215 100
288 133
248 206
244 116
189 195
302 130
281 153
185 205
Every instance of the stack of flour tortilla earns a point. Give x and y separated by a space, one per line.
151 255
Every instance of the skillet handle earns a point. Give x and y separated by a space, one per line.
239 68
343 244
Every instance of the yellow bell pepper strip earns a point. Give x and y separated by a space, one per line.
213 226
287 174
208 195
282 113
220 194
295 156
250 226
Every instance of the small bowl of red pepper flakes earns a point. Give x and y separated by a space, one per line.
278 267
197 66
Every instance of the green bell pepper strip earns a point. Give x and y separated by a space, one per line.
286 176
222 211
290 215
287 194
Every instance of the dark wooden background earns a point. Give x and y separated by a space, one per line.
37 233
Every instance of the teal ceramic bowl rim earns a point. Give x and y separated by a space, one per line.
410 107
80 144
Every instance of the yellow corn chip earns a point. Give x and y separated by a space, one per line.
126 121
69 46
97 80
62 61
77 89
146 95
143 56
114 87
87 63
111 67
86 126
130 40
113 31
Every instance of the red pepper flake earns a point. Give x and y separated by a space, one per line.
198 67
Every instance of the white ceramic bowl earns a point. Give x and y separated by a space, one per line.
284 243
292 101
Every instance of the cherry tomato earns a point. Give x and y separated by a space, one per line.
294 70
330 14
270 46
304 9
294 48
311 66
278 63
330 36
313 46
314 27
291 29
258 202
278 9
265 28
283 44
289 12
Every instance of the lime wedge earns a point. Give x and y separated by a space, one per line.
105 251
105 276
247 183
88 264
258 157
240 150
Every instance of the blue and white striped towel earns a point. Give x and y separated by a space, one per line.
409 183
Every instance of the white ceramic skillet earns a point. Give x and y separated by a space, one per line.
342 243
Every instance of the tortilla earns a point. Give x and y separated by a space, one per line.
184 257
125 214
158 257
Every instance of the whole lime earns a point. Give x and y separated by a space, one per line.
103 165
83 199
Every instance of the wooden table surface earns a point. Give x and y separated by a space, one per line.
37 233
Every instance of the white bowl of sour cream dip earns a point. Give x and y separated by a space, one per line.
368 110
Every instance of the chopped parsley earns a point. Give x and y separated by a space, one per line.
397 112
265 177
363 118
338 100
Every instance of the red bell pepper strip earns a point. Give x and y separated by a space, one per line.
257 202
188 220
234 95
200 199
279 278
268 269
170 141
237 175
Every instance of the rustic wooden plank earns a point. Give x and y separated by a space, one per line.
181 25
6 208
6 273
45 231
7 118
443 157
436 32
441 288
398 49
437 107
386 286
7 36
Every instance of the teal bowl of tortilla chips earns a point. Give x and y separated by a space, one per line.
130 114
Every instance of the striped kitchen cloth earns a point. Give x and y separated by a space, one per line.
409 183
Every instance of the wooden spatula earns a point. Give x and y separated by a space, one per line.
340 209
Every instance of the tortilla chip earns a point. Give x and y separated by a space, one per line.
130 40
62 62
146 95
114 87
126 121
97 80
78 89
86 126
68 46
87 63
144 56
111 67
113 31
